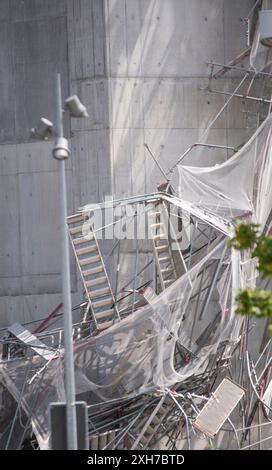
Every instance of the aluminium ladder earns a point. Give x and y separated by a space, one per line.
161 245
159 224
100 298
150 429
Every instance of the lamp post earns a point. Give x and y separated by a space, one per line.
61 153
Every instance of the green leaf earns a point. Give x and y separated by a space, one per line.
256 302
246 237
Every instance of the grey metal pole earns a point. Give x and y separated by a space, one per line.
157 163
69 375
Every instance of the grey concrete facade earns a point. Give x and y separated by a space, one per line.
137 65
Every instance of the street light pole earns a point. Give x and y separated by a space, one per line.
69 375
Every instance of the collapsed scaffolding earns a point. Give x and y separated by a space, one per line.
151 351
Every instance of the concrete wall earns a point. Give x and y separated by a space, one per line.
157 61
137 65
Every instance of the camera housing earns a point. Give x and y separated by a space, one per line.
76 108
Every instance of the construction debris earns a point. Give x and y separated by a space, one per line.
160 356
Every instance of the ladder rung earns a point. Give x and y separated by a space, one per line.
150 431
159 236
154 213
164 259
81 240
88 249
94 443
155 420
162 247
102 303
167 270
162 413
94 282
94 259
85 261
105 314
143 441
163 410
168 402
105 325
159 224
99 292
83 251
73 219
168 281
97 269
76 229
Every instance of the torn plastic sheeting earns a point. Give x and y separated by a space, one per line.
239 187
132 357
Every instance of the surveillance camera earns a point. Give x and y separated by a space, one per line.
76 108
43 129
61 149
